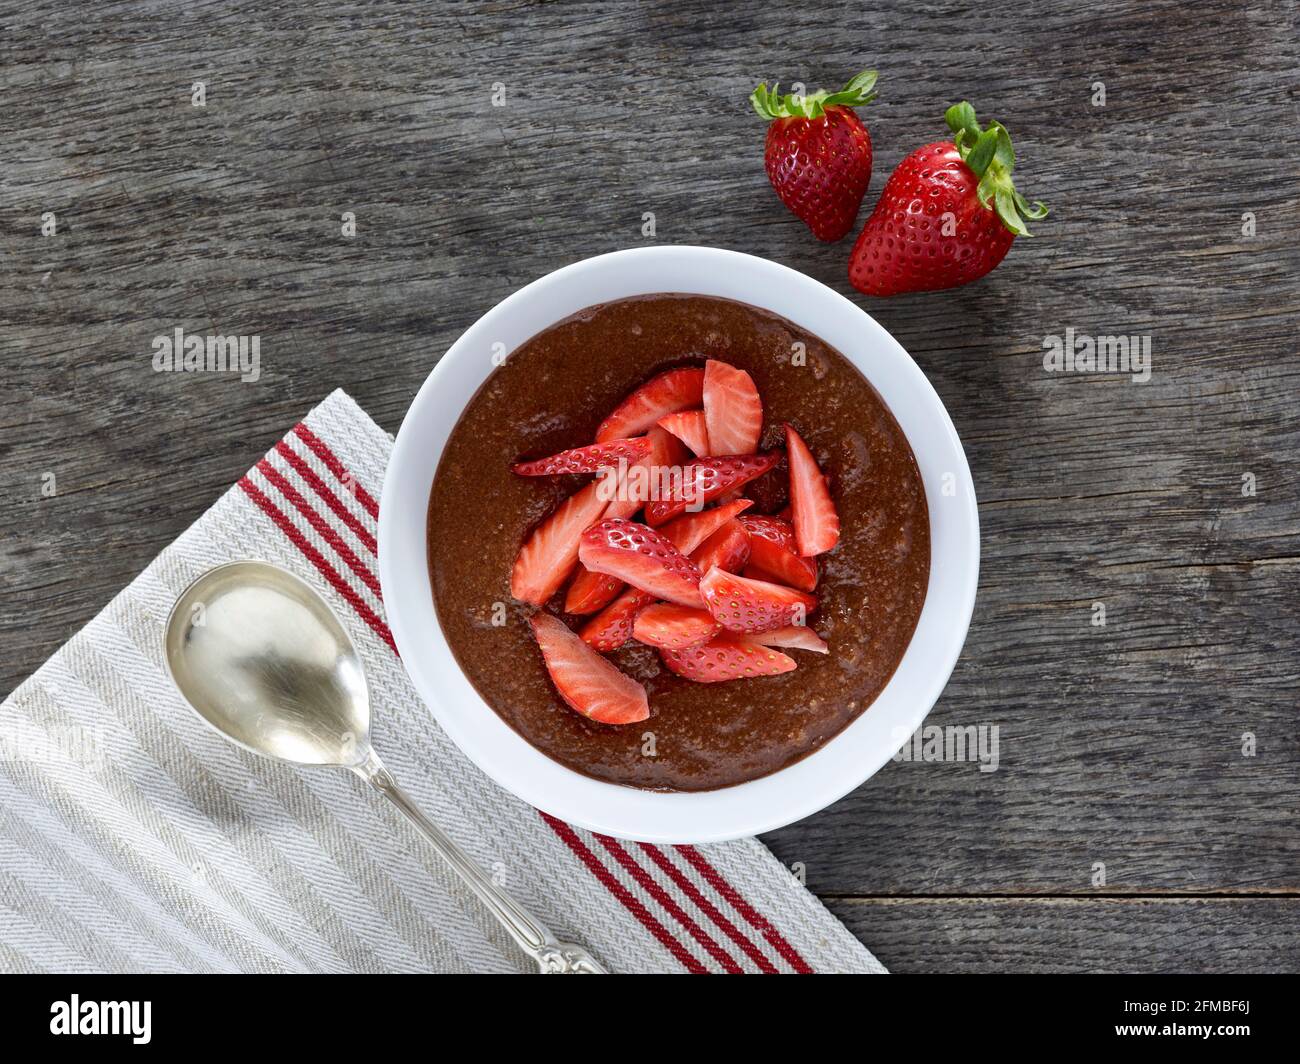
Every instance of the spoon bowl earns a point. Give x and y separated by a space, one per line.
264 660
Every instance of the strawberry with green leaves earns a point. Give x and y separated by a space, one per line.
818 153
948 214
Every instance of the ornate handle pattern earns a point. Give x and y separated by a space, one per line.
534 937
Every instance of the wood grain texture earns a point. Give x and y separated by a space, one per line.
1147 935
1119 744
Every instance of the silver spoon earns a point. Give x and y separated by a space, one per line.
264 660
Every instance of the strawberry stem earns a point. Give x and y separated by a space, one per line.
991 158
770 104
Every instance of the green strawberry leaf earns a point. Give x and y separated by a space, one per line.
961 116
991 158
1005 154
762 102
1006 204
858 91
771 105
1034 213
983 151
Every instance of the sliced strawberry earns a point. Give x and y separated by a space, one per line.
773 554
727 548
549 553
665 448
727 658
590 591
689 533
612 626
816 524
635 487
640 556
690 530
706 480
678 389
587 459
744 605
690 427
733 411
671 627
586 681
774 530
796 635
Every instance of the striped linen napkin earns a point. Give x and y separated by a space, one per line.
134 838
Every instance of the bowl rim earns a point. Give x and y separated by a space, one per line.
769 802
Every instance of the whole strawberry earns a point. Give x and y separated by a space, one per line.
947 215
818 153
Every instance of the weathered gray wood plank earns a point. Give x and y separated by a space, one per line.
1119 744
1051 935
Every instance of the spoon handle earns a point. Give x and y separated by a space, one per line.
533 936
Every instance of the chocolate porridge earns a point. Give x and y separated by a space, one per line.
550 395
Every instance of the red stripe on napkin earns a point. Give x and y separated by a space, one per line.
756 920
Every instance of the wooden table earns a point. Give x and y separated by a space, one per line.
1120 745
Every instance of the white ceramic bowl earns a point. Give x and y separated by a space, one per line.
760 805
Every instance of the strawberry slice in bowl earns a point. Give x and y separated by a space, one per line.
727 548
691 428
677 389
672 627
642 557
733 411
812 510
549 554
727 658
551 549
774 555
691 534
592 591
635 484
589 592
796 635
588 683
689 531
743 605
707 480
589 459
612 627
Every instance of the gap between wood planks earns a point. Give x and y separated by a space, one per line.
1250 894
